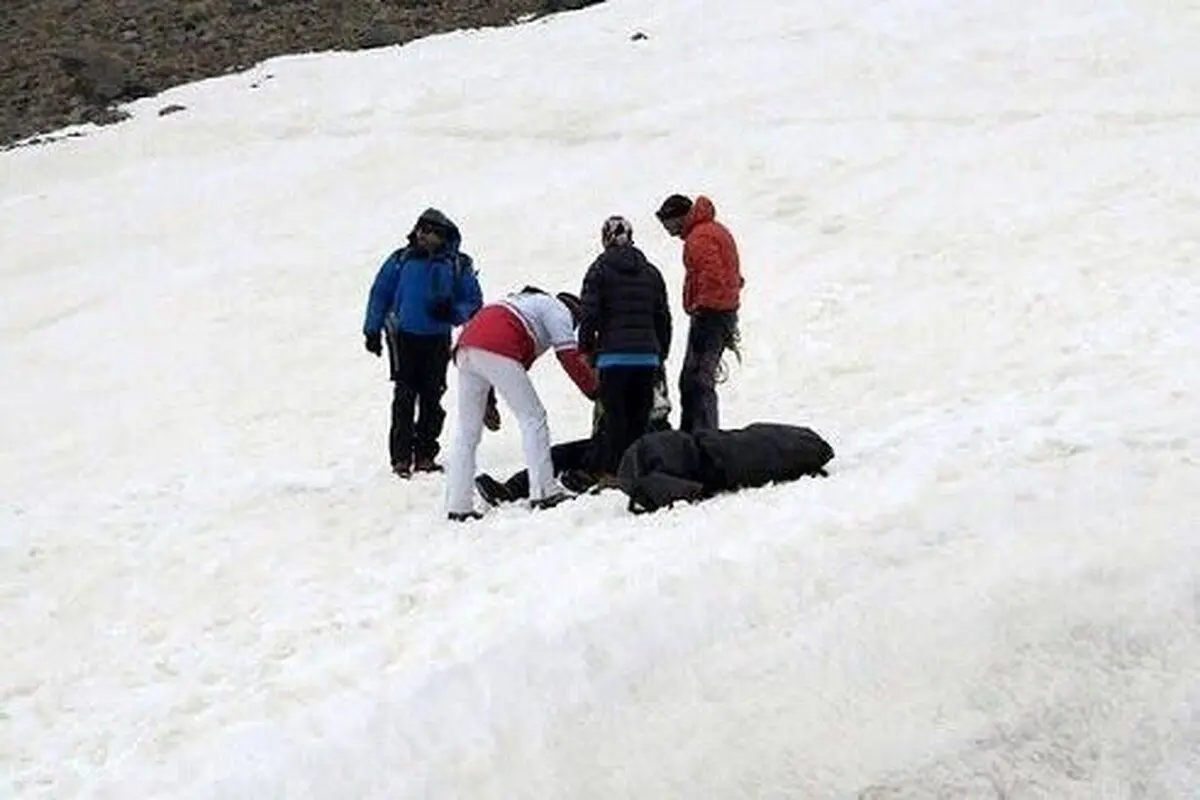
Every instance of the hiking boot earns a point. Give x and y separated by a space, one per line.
426 465
577 480
550 501
403 471
464 516
492 490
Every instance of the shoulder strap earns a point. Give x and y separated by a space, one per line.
401 257
462 263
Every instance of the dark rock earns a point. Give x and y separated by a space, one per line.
639 36
554 6
197 11
174 108
100 76
384 35
106 116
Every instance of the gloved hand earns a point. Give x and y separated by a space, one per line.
442 309
491 416
374 343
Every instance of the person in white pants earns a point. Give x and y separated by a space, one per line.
495 350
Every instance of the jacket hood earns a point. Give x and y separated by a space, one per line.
703 210
433 216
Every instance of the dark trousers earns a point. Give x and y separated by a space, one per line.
418 367
627 395
566 456
709 335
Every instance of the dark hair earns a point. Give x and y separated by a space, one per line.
573 304
676 205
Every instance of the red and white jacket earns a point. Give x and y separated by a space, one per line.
524 326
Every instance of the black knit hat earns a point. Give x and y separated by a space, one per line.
677 205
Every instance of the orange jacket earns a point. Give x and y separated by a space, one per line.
712 273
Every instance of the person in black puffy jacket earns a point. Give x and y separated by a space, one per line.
625 328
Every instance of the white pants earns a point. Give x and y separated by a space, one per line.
479 371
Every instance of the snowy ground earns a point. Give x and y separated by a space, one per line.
970 237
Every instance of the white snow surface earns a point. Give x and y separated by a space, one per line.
971 239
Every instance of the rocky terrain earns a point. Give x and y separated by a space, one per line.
70 61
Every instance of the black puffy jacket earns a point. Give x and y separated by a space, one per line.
625 307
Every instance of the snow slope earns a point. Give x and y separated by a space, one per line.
970 238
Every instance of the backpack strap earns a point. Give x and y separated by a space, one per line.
401 257
463 263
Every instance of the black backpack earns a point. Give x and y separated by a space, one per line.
661 469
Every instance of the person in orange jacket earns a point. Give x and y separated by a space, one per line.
712 288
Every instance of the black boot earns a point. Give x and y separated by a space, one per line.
577 480
426 465
492 490
550 501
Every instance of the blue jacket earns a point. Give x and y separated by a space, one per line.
411 281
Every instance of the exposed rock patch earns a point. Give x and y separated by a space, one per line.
65 62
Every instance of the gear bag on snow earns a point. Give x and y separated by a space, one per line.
664 468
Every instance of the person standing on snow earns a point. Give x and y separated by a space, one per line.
625 329
419 295
495 351
712 287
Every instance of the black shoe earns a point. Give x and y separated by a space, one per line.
403 471
550 501
463 516
426 465
577 480
492 490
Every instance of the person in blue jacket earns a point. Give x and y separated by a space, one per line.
421 293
